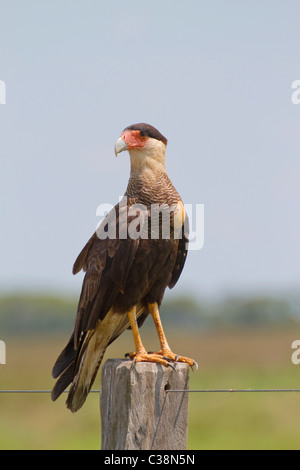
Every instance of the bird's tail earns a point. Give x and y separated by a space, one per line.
79 371
80 368
89 360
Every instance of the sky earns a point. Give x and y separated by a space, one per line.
214 77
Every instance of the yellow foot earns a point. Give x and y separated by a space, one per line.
168 355
161 357
149 357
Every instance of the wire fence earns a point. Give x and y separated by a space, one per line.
232 390
38 391
229 390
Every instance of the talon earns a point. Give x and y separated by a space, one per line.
146 357
130 355
170 356
167 358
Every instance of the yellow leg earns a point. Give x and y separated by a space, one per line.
141 354
165 348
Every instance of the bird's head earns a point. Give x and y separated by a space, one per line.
146 146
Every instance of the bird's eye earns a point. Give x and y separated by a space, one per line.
143 134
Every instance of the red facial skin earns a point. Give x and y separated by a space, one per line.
134 139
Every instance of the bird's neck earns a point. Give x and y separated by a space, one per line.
149 182
148 160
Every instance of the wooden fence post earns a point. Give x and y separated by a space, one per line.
136 411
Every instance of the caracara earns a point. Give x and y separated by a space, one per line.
126 276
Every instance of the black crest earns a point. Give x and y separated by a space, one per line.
147 130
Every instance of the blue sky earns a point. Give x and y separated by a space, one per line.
214 77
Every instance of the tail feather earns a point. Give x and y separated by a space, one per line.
63 382
83 381
80 371
80 367
65 358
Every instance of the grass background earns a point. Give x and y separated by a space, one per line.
227 358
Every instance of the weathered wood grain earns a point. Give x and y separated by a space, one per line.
136 411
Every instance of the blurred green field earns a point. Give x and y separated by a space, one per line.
258 358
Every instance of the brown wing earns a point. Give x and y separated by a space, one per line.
106 263
181 254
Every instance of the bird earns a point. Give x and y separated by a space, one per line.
126 276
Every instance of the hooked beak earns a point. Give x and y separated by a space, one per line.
120 146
